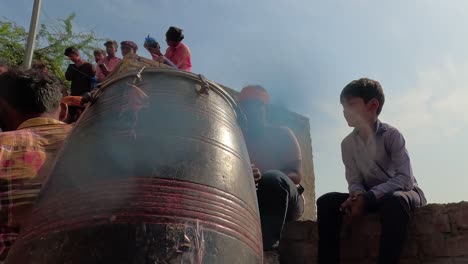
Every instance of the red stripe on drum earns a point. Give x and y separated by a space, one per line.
146 200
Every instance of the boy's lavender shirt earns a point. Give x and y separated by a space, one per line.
380 165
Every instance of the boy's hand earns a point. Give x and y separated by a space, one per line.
357 206
346 204
353 207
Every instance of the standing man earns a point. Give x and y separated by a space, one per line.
30 111
108 64
80 73
177 51
276 164
128 47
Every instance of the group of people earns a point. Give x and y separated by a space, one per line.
84 76
35 117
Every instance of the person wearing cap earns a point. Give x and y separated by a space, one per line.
276 165
177 51
108 64
128 47
153 47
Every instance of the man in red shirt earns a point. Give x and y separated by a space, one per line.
177 51
276 164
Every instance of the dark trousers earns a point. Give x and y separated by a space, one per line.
395 212
279 201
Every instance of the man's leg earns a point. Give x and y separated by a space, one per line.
276 193
329 219
395 211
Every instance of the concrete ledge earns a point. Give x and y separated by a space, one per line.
438 234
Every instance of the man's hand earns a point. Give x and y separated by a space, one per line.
256 173
153 50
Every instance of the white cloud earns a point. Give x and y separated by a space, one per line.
435 104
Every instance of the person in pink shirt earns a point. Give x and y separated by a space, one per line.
177 51
152 46
108 64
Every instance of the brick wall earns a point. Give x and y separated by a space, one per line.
438 235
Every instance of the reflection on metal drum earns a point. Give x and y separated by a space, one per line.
155 171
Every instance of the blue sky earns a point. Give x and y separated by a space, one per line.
304 52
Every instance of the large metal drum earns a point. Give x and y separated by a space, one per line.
155 171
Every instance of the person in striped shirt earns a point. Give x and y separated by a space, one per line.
30 111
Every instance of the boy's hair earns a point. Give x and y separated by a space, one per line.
70 50
99 51
111 42
366 89
31 91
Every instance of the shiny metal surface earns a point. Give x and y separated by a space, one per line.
155 171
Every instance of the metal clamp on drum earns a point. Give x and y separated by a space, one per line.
205 87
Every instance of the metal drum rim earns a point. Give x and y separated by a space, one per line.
196 77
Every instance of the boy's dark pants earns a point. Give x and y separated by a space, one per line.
395 212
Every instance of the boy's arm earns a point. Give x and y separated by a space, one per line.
353 176
403 178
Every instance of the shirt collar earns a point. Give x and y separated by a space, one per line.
379 128
39 121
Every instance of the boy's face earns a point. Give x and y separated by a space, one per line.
98 57
171 43
110 49
357 113
74 57
126 50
